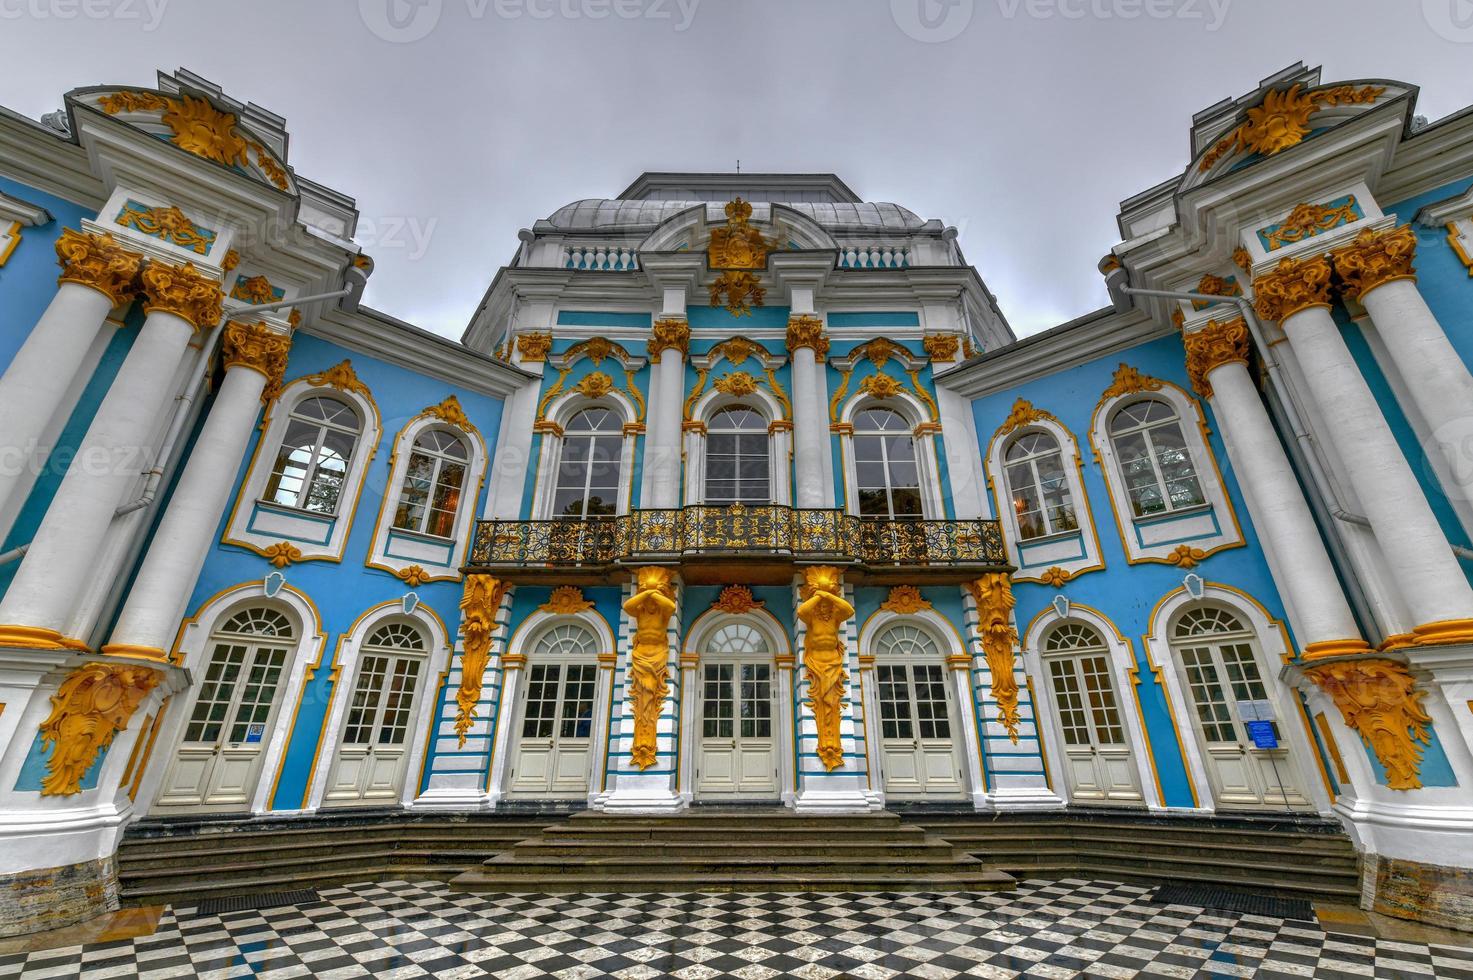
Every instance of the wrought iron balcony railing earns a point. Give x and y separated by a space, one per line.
758 532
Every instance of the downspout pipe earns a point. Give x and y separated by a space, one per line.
1119 295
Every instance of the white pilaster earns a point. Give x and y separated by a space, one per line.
662 442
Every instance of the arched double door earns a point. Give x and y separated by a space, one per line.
553 741
920 723
737 718
373 749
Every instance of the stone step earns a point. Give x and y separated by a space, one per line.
814 835
141 860
1300 852
617 867
684 849
666 882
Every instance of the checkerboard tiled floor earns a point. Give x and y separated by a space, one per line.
1041 929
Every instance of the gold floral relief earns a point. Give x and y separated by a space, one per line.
98 262
1379 701
1374 259
90 707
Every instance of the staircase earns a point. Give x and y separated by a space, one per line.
732 850
1307 857
171 861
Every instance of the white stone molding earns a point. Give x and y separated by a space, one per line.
1123 674
1210 527
344 672
256 524
396 549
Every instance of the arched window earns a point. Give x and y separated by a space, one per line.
238 689
901 640
885 466
433 483
736 638
1079 671
312 462
566 640
737 458
561 681
588 473
1155 463
1038 485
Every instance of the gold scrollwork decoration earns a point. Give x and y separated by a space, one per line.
167 223
738 384
668 334
479 603
451 412
1128 381
534 346
1211 346
1307 221
184 292
89 708
201 129
1294 285
565 601
994 596
1379 701
1023 413
281 554
738 292
905 599
736 600
1374 259
98 262
259 348
1281 120
738 245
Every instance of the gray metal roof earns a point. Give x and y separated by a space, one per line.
599 214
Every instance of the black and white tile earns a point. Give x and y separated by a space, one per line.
1070 928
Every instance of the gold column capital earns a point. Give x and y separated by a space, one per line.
478 605
806 330
534 346
257 347
668 334
183 291
1379 701
942 346
1294 285
93 704
98 262
1212 346
1374 259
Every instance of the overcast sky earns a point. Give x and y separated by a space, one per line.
1024 129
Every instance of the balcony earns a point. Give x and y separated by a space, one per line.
748 545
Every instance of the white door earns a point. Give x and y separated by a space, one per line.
368 767
918 753
1216 652
555 745
738 757
218 761
1098 763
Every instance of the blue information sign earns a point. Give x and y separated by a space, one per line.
1262 733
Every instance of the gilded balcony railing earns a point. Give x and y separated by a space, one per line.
773 531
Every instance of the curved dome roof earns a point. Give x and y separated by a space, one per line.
594 213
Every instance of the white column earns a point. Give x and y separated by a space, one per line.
97 275
1217 357
1407 531
156 601
810 423
112 455
662 441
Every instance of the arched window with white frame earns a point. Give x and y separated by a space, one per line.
738 457
887 474
1034 469
433 485
589 475
306 476
1165 488
1099 763
738 445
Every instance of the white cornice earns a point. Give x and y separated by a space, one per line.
13 210
1451 209
39 157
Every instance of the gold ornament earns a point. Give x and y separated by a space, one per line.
201 129
534 346
824 609
451 412
1211 347
340 376
98 262
1379 700
256 290
184 292
259 348
1185 556
738 292
1307 221
807 331
1294 285
1374 259
669 334
595 385
738 385
479 602
168 223
736 599
905 599
994 595
738 349
651 606
1056 576
1281 120
1129 381
738 245
565 601
881 386
1023 413
1243 259
91 706
282 554
414 576
231 260
941 346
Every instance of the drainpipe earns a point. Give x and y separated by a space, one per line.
1317 474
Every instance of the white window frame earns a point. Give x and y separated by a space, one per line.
257 524
1211 527
923 437
425 545
779 443
1270 644
192 652
427 692
1087 555
562 411
1124 674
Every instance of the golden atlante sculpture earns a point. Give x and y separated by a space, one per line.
92 705
478 605
651 606
823 609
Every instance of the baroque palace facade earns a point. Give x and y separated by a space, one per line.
737 489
